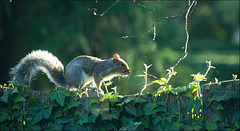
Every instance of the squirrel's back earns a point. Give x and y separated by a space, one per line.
35 61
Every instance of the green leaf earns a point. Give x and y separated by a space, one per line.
4 115
58 96
106 96
211 126
58 114
145 121
130 109
216 118
94 101
156 120
189 94
61 121
220 107
64 91
92 119
178 124
207 88
15 90
181 88
43 113
33 101
169 118
223 94
162 81
4 98
107 116
16 106
194 88
172 128
140 100
96 111
19 98
72 104
128 99
153 108
83 118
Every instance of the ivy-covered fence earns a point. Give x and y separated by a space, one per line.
181 108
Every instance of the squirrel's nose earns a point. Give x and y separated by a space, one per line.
127 72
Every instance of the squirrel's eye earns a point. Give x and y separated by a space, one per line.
122 65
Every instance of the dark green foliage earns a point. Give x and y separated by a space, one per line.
112 112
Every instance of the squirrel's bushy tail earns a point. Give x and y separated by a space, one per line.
35 61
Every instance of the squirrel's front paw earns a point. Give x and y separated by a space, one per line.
95 92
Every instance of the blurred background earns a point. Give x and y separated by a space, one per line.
68 29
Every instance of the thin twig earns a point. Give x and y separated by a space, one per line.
157 9
94 10
186 30
153 24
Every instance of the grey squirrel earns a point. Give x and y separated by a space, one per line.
78 73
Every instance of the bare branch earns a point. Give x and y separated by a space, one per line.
153 25
157 9
186 30
94 10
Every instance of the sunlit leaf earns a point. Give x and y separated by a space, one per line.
94 101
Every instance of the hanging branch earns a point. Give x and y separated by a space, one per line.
153 25
191 6
157 9
186 30
94 10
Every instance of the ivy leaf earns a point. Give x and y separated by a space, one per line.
106 96
3 115
139 100
94 101
96 111
58 96
73 104
216 118
189 94
43 113
194 88
145 121
211 126
91 119
107 116
83 118
220 107
223 94
58 114
128 100
64 91
15 90
4 98
130 109
156 120
153 108
181 88
61 121
169 118
19 98
16 106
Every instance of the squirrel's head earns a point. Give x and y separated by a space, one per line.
122 66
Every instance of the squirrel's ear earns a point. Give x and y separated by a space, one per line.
116 56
